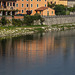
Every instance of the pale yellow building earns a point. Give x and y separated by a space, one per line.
63 2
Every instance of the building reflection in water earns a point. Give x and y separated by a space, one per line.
33 47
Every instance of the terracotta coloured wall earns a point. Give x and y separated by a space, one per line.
50 12
18 17
24 8
29 2
40 4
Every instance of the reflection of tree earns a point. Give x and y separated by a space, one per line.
3 45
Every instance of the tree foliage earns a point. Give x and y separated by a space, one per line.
60 10
29 20
72 9
51 5
3 21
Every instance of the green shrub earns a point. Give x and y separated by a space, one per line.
51 5
3 21
29 20
37 16
8 22
12 16
17 22
60 10
67 12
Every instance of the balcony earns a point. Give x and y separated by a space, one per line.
8 0
8 8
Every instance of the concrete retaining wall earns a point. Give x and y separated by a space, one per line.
50 20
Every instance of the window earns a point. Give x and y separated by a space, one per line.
40 12
13 4
8 4
54 2
27 5
31 0
31 11
37 0
22 11
22 5
51 2
27 0
37 5
22 0
45 0
16 5
45 5
47 13
31 5
52 12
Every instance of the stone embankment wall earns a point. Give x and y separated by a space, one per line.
50 20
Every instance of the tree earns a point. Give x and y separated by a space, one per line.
60 10
3 21
51 5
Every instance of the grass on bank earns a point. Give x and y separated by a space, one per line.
14 27
62 25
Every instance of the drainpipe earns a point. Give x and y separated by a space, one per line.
29 5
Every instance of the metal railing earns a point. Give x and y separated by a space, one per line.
8 8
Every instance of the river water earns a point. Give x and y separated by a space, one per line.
51 53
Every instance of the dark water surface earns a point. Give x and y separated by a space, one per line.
51 53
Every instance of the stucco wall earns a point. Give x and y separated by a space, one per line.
50 12
34 3
50 20
41 3
71 3
63 2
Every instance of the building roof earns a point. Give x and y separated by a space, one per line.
41 8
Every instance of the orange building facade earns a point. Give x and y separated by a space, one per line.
13 7
30 6
7 7
45 11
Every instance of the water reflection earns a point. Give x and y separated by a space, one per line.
35 45
39 48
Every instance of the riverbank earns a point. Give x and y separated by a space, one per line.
12 31
62 27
